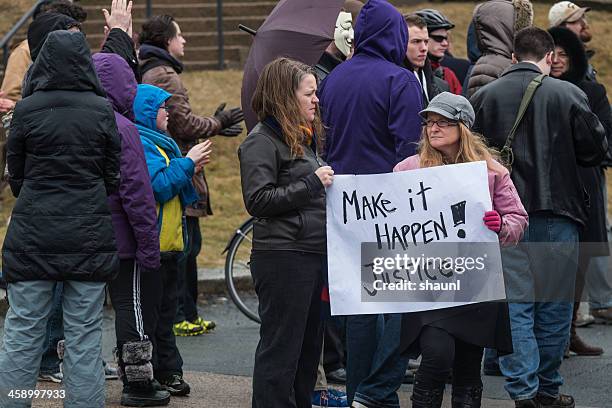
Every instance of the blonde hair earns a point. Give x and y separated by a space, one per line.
275 96
472 147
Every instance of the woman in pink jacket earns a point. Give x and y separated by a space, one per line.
452 340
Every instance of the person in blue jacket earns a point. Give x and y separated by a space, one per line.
370 105
171 175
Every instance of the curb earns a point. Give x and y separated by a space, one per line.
210 282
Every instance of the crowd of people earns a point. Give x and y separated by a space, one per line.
106 159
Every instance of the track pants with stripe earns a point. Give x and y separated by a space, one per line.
135 296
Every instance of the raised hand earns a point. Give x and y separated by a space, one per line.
120 16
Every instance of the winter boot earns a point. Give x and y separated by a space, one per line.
136 372
423 397
467 396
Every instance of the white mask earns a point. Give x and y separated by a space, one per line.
344 34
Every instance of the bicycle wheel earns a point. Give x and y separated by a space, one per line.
238 271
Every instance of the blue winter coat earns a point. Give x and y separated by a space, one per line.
370 103
170 172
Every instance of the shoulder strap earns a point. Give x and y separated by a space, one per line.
527 97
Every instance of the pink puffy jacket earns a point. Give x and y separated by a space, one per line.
504 196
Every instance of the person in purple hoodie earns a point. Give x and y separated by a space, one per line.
372 127
137 288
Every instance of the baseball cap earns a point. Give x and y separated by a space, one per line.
565 12
451 106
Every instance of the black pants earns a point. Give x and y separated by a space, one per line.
187 279
166 357
333 346
135 297
288 285
442 354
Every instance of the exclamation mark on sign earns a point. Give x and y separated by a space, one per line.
458 211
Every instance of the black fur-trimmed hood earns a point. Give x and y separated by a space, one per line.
574 48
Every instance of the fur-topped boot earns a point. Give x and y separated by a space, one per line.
136 372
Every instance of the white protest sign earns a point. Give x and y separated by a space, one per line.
433 214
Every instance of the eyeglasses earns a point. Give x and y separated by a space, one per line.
164 108
441 123
438 38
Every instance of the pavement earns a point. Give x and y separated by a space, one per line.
219 365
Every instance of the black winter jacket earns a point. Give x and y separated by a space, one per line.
63 160
283 193
557 132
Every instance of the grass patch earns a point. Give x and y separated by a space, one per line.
209 88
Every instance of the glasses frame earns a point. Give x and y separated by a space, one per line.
448 123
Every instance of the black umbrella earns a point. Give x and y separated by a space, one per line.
298 29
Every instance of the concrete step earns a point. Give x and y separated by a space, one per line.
200 39
188 24
182 10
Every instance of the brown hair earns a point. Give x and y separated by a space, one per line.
414 20
472 147
275 96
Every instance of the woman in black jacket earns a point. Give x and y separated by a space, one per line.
571 64
283 186
63 161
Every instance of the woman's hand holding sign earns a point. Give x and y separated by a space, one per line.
326 175
493 221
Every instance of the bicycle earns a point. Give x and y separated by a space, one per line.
237 268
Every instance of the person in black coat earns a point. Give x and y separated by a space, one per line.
571 64
63 161
283 186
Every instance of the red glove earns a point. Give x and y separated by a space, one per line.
493 221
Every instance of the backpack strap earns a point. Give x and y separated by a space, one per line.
527 97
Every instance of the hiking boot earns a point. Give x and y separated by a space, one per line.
185 329
560 401
144 396
578 346
602 316
175 385
207 325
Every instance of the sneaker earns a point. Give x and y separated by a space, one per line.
208 325
52 377
584 319
337 393
602 316
110 373
144 397
175 385
324 398
560 401
185 329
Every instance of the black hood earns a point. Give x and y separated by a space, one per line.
64 63
42 26
152 56
574 48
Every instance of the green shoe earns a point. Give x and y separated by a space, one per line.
185 328
208 325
